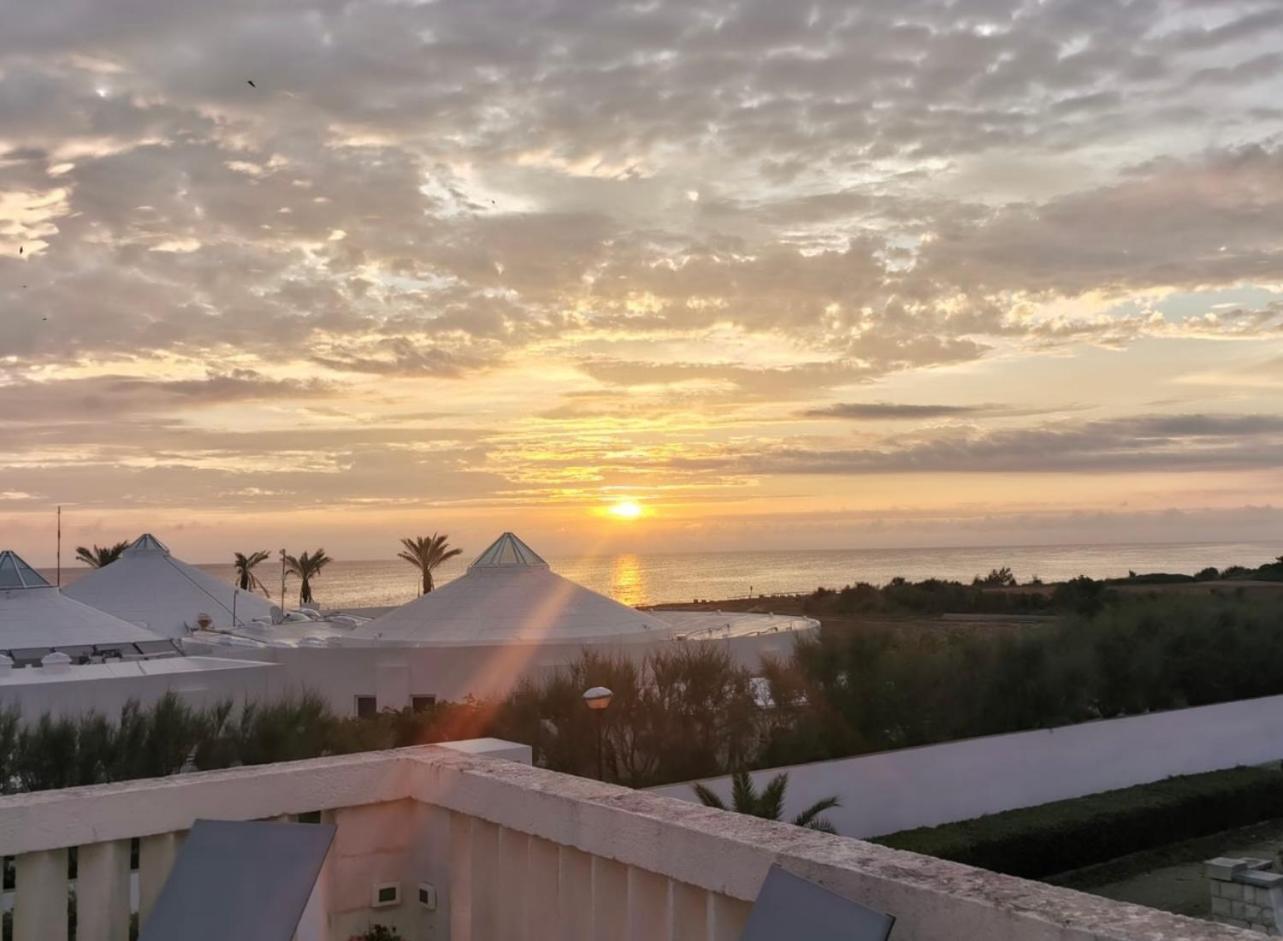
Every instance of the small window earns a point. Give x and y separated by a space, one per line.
367 707
422 703
311 816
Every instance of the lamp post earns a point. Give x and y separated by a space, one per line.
597 699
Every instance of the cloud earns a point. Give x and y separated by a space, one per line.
879 411
1144 443
956 192
108 396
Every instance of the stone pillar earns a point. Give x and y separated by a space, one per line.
156 855
102 892
1246 894
649 917
40 896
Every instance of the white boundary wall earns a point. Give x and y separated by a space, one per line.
914 787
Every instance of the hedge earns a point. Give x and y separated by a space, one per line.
1063 835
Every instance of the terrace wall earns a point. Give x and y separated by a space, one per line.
516 852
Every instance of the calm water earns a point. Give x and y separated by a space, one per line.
654 578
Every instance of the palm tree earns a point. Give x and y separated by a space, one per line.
425 553
99 556
246 580
769 803
306 567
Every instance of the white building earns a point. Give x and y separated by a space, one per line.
61 657
148 586
36 619
508 618
510 595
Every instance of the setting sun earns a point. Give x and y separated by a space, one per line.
626 509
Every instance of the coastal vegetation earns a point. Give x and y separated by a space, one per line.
246 579
426 553
306 566
767 803
98 556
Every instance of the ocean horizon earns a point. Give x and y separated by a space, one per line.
660 578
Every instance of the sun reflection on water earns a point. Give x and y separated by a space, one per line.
628 580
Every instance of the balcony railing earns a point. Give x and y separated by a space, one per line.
515 852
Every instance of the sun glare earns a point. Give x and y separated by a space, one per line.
626 510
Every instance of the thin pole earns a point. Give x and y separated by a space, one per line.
59 582
282 584
601 725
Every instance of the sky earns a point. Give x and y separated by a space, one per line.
769 275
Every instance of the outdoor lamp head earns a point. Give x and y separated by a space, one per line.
598 697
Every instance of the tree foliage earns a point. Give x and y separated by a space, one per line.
306 566
98 556
426 553
246 579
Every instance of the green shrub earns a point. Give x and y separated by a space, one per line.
1063 835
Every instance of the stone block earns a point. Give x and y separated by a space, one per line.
1220 906
1257 877
1238 910
1231 891
1223 867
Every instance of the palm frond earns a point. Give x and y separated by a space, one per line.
743 794
810 816
708 798
770 805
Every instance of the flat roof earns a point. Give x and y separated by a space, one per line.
122 669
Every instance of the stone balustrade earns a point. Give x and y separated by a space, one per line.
506 851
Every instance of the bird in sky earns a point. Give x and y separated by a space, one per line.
250 83
20 248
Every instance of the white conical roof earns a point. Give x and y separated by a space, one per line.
148 586
509 595
34 614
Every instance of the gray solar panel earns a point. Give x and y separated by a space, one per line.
240 879
791 907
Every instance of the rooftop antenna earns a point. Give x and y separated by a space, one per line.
59 579
282 584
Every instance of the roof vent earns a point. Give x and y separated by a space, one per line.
56 662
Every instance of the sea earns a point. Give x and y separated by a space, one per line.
646 578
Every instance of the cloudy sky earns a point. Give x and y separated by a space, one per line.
874 272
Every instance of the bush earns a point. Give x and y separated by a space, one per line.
1041 841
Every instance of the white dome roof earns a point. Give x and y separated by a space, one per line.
148 586
510 595
34 614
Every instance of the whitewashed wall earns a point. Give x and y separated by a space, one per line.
393 674
80 690
891 791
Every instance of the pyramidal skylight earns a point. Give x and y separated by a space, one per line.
508 550
15 573
148 543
